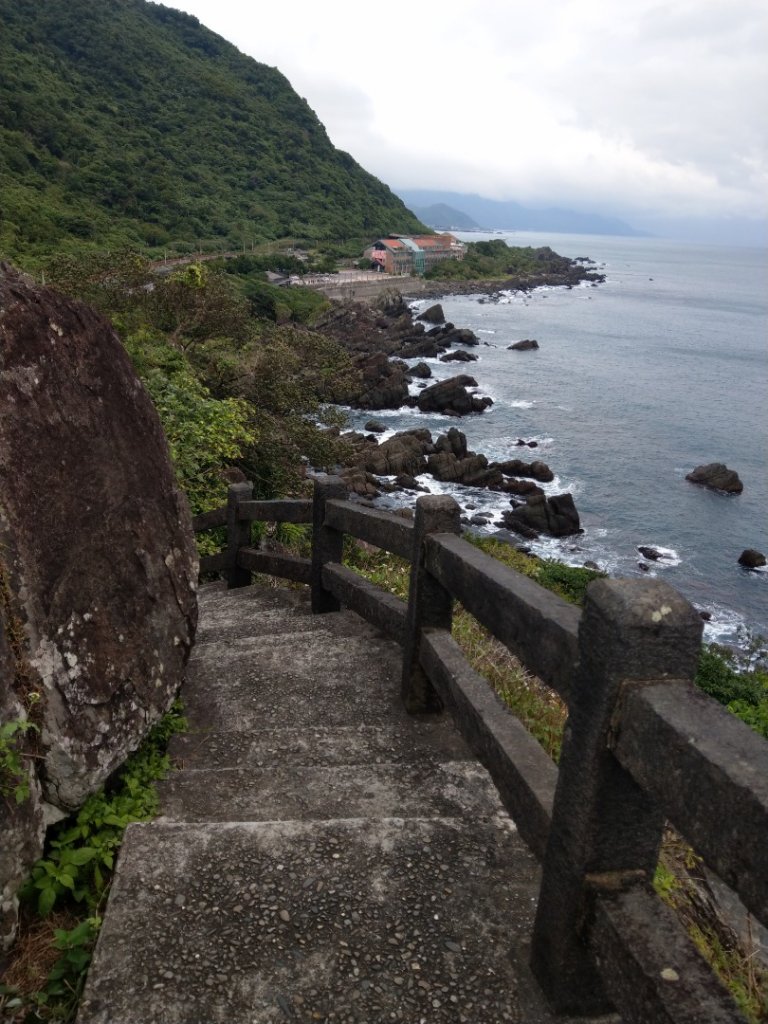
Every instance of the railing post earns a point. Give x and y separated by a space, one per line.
238 535
430 605
605 833
327 544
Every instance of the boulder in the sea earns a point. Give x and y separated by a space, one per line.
375 427
452 397
556 516
433 315
751 559
717 477
459 336
421 370
650 553
526 345
460 355
536 470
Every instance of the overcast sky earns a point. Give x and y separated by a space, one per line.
634 107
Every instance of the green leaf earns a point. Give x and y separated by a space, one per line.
81 856
46 901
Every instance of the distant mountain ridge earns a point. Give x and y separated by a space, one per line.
126 122
443 217
492 214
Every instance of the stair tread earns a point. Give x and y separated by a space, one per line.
345 921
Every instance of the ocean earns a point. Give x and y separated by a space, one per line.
636 381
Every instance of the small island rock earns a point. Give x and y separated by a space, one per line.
526 345
751 559
717 477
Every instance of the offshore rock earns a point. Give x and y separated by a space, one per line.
536 470
96 544
460 355
451 397
433 315
751 559
556 516
526 345
717 477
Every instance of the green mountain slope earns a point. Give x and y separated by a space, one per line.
123 121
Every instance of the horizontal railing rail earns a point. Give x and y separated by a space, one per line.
643 745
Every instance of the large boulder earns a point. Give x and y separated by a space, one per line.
717 477
526 345
433 315
556 516
382 383
97 557
535 470
402 453
451 396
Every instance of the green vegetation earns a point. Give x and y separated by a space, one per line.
14 773
744 691
231 388
73 877
131 124
496 260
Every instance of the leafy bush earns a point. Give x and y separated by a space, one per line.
80 855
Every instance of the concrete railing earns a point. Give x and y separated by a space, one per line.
643 745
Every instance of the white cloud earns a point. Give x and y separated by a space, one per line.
639 105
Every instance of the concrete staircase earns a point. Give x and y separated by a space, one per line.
321 855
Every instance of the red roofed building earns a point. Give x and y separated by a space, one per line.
413 254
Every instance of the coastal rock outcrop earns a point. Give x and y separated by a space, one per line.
526 345
460 355
97 556
452 397
535 470
383 383
556 516
402 453
717 477
433 315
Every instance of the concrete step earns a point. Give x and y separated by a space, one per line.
304 679
350 922
325 792
404 740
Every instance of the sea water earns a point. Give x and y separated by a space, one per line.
636 381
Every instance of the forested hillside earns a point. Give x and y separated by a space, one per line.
127 123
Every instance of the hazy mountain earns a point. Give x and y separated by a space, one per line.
492 214
443 217
129 122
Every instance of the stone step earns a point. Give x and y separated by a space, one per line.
294 680
324 792
408 739
263 611
350 922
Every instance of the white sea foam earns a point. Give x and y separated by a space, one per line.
669 557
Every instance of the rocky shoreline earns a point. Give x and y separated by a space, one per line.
380 338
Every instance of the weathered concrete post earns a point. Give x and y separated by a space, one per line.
430 606
605 832
238 535
327 544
